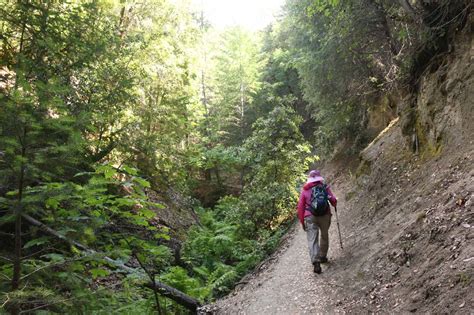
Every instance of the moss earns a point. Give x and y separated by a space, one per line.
420 217
350 195
427 149
407 119
464 279
363 169
360 275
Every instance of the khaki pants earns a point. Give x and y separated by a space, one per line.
313 225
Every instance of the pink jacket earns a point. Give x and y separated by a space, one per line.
305 199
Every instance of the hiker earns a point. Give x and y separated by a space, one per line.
314 214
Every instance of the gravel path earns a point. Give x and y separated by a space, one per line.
286 284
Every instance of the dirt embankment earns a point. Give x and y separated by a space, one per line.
407 218
409 228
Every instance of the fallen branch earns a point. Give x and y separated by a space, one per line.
174 294
165 290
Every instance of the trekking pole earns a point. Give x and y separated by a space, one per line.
338 229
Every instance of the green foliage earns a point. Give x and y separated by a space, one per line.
344 55
238 66
230 80
323 43
240 231
178 278
88 89
84 213
159 119
218 254
222 251
349 53
219 157
276 159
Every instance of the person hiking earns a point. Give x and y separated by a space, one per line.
314 214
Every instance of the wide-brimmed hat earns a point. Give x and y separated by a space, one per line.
314 176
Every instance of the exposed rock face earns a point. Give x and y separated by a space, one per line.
444 103
380 115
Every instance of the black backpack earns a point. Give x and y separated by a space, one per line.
318 204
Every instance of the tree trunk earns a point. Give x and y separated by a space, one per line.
204 99
18 210
179 297
17 258
16 278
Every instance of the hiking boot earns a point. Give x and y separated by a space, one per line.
317 267
323 260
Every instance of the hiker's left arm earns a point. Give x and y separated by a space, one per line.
331 196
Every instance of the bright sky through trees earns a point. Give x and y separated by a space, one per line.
250 14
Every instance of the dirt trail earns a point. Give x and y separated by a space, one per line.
286 283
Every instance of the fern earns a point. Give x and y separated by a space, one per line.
222 279
202 271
